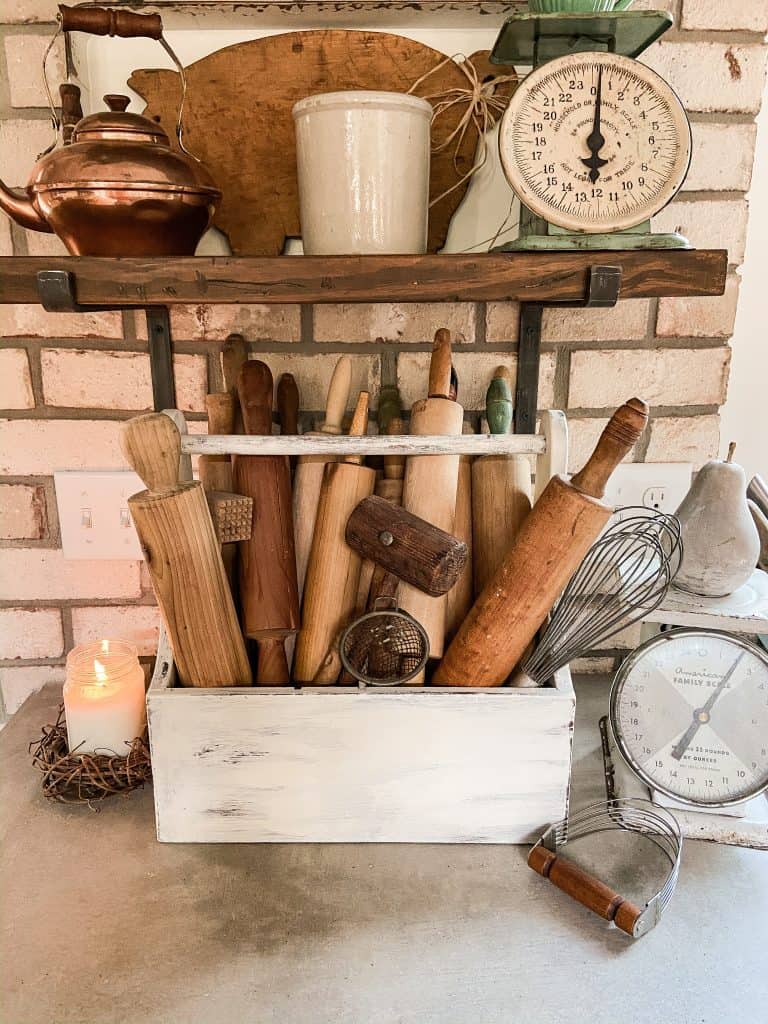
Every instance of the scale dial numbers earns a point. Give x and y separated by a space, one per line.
689 711
595 142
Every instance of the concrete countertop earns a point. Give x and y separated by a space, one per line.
103 925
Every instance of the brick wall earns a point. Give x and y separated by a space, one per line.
66 381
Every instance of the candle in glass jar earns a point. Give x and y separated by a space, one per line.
104 698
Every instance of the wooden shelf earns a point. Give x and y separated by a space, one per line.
539 277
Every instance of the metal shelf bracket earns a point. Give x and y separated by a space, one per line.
603 287
57 291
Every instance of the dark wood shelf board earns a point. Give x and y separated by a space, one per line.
520 276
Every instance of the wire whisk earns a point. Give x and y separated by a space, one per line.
623 577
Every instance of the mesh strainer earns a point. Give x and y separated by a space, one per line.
386 647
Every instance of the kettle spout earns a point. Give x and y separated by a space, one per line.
17 204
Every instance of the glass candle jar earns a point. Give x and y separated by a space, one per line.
104 698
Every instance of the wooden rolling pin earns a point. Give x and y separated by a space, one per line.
501 489
309 471
234 355
288 408
459 598
215 471
389 486
334 568
183 558
410 548
551 543
429 487
269 596
583 887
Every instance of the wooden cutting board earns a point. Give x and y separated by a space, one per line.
238 121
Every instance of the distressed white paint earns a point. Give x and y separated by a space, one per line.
744 611
322 764
384 444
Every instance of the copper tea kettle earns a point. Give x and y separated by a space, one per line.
118 188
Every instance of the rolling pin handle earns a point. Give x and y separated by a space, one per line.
440 365
620 434
583 887
255 390
151 445
338 395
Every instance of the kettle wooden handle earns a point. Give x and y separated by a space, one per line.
107 21
151 445
583 887
71 109
621 432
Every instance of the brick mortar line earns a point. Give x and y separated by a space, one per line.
29 543
712 35
654 343
657 412
71 603
720 117
92 343
58 662
51 413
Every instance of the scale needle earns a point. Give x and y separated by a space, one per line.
702 715
595 140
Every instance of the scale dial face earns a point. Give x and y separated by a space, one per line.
689 712
595 142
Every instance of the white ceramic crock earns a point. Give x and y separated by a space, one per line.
363 172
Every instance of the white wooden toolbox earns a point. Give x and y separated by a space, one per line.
363 764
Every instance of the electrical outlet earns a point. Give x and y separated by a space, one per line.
94 516
658 485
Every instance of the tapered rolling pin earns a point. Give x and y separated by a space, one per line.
288 408
183 558
429 487
334 568
551 543
269 597
234 355
310 468
501 489
216 470
459 598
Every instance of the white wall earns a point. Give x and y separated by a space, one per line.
745 414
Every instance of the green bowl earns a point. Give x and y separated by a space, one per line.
574 6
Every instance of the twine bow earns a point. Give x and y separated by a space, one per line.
483 110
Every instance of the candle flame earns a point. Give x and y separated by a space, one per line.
100 671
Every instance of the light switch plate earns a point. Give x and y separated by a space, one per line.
94 516
658 485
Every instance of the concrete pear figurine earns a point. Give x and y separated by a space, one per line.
721 545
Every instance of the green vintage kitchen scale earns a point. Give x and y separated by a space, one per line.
593 142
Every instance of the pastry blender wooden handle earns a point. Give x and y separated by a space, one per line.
583 887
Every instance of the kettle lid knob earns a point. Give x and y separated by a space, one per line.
116 102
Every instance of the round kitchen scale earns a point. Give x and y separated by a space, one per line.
689 715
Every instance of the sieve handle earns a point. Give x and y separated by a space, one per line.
583 887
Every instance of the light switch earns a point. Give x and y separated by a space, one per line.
94 516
